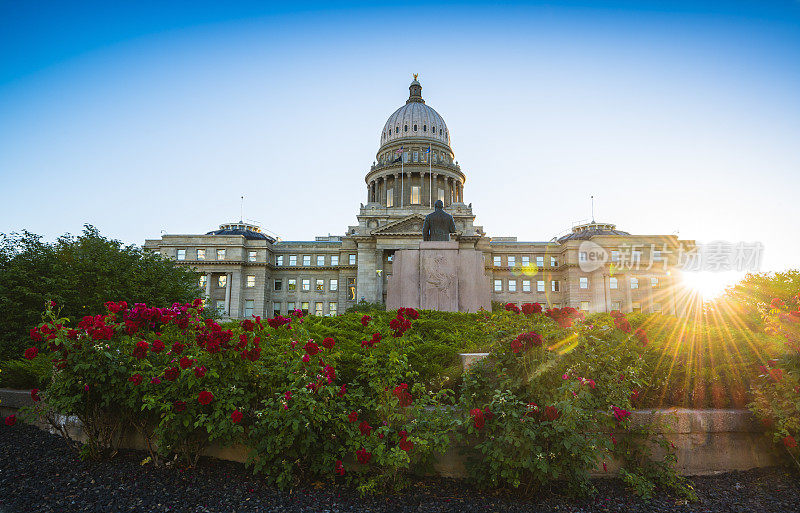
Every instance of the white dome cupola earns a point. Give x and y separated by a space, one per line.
415 120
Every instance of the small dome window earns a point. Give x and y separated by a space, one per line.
396 129
415 128
405 128
424 128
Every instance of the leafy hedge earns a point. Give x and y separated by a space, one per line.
345 399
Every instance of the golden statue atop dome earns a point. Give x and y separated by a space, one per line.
416 75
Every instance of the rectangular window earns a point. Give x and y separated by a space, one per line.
333 308
201 254
320 260
306 260
221 306
585 306
497 261
290 307
334 259
251 281
526 285
278 284
249 307
220 254
334 285
291 284
612 283
405 157
657 307
279 260
654 282
616 305
320 285
615 256
416 194
351 288
636 307
512 285
512 261
181 254
498 285
416 156
319 309
304 307
276 309
634 283
390 197
553 261
222 281
203 281
306 285
584 283
440 195
526 261
292 260
251 256
555 285
352 259
582 256
539 285
540 261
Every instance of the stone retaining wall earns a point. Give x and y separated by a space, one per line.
706 441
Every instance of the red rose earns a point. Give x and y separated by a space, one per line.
185 363
140 351
342 391
620 414
338 468
35 395
177 348
311 348
477 417
776 374
353 417
31 353
248 325
136 379
236 416
365 320
179 406
789 442
205 397
11 420
172 373
328 343
363 456
402 394
777 303
406 445
157 346
200 372
365 428
551 413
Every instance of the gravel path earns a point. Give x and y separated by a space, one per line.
38 473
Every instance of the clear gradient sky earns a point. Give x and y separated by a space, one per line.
138 118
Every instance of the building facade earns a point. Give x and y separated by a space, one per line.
594 267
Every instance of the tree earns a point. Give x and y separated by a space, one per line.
80 274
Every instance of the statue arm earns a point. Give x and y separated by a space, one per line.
452 228
426 228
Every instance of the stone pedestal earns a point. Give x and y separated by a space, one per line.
438 276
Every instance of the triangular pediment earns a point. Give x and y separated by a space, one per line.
411 225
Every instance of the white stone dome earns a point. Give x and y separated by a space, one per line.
415 120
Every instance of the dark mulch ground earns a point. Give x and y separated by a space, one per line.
38 473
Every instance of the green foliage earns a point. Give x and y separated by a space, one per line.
80 274
25 374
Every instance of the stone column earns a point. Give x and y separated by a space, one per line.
228 286
208 285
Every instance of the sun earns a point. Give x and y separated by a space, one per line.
710 285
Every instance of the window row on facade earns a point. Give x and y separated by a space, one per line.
523 260
540 285
252 256
321 308
292 284
416 155
416 128
585 306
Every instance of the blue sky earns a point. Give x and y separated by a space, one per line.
140 117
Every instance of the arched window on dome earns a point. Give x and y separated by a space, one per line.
397 129
405 128
415 128
424 128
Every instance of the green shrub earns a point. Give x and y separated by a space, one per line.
26 374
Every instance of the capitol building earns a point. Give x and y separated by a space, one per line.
595 267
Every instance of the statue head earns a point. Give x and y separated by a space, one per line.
439 205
